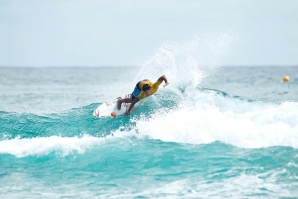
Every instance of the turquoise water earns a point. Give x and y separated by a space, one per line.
214 132
223 138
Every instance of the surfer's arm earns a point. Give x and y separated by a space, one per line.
131 106
163 78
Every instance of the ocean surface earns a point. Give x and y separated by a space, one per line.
213 132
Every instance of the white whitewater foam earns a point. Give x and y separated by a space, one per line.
42 146
207 117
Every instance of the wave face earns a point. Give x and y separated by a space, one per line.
212 133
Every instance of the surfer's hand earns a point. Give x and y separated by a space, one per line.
165 84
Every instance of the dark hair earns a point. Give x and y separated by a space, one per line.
146 87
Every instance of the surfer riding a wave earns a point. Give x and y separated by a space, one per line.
143 89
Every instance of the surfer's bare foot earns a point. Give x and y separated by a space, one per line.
119 104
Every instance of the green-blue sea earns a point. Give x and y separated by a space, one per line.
213 132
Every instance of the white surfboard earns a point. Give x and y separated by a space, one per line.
109 109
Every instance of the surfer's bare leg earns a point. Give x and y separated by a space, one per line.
125 100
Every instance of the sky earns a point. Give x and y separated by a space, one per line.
129 32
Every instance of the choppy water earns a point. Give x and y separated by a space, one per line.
212 133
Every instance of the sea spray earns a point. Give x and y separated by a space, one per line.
187 63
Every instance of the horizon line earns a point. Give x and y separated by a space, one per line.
133 66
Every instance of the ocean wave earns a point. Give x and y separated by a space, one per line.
194 115
74 122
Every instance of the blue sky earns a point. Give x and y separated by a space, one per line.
129 32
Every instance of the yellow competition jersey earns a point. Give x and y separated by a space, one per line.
153 86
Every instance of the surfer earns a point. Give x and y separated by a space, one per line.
143 89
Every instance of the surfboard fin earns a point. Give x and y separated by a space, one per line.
113 114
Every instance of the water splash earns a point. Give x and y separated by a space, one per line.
187 63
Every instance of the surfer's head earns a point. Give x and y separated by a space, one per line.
146 87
